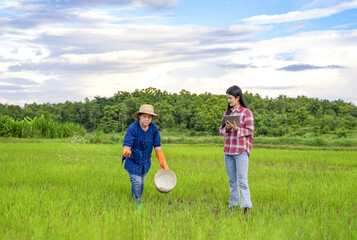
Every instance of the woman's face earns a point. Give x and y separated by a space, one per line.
145 119
233 101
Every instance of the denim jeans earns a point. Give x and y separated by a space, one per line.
237 171
137 185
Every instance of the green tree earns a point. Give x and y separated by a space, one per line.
301 115
109 121
314 107
198 112
165 110
210 115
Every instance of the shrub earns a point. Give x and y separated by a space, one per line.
38 127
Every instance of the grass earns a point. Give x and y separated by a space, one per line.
320 143
64 190
38 127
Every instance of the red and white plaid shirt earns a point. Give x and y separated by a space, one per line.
238 141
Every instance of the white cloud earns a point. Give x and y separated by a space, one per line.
320 3
94 56
155 3
322 48
295 26
301 15
345 26
87 3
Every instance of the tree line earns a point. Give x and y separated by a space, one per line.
198 113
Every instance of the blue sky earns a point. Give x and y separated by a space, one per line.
53 51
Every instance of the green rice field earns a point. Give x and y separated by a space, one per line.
62 190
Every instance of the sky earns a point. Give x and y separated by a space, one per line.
53 51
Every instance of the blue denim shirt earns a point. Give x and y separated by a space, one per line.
141 143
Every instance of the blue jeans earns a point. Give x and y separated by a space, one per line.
137 185
237 171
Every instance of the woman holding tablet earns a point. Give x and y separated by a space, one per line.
237 148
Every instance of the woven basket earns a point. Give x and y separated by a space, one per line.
165 180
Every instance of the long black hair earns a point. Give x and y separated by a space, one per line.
234 91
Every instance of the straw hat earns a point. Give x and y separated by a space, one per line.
165 180
148 109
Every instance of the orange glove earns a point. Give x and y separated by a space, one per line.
160 156
126 151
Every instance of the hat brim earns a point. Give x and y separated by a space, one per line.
137 114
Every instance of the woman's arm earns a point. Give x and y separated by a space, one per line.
128 142
158 149
160 156
249 125
222 130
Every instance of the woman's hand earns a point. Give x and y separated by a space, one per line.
126 151
230 125
161 157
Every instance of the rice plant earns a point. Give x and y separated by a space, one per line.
61 190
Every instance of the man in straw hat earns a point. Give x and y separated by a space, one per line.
139 140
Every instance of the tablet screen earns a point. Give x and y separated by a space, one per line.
232 119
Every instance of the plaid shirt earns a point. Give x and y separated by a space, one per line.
241 140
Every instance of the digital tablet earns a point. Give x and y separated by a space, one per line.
232 119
